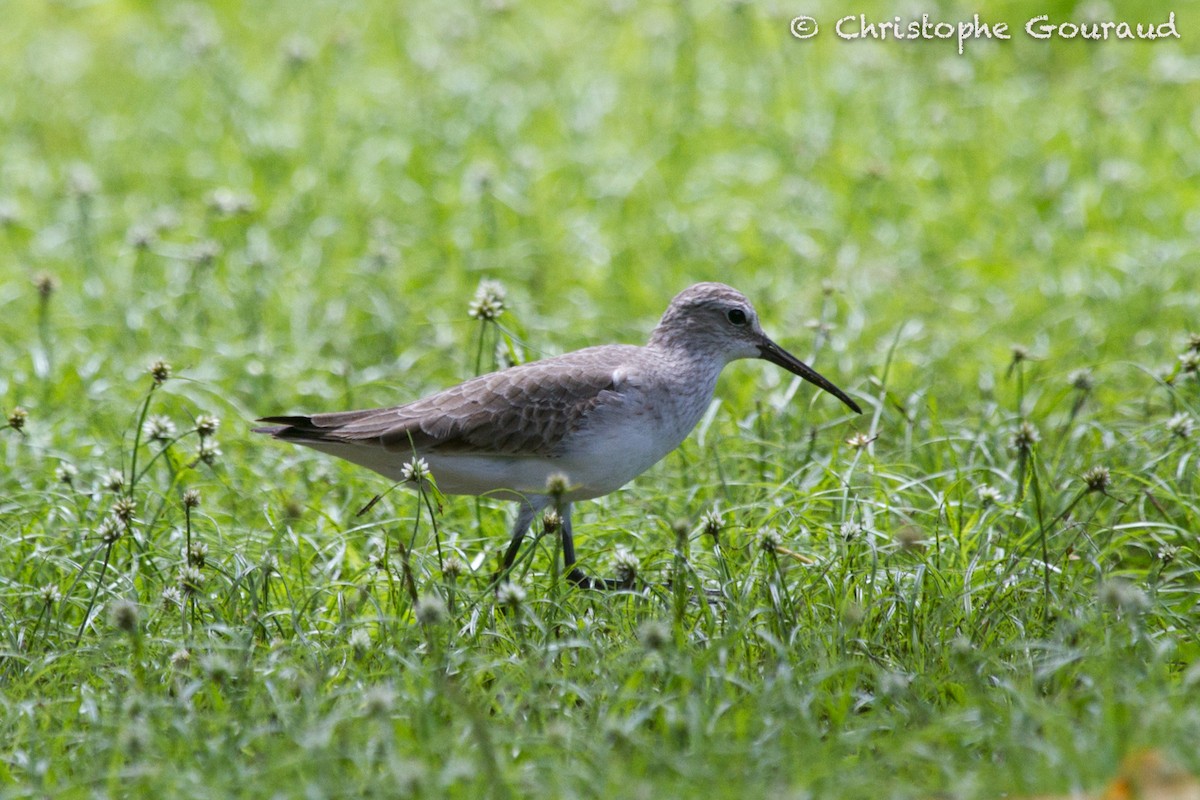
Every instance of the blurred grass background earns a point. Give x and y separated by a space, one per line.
293 203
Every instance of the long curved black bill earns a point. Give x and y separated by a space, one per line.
777 355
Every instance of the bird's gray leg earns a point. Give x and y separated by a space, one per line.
528 509
574 574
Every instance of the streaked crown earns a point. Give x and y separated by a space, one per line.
710 318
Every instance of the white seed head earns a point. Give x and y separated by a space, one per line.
1097 479
158 428
66 473
50 594
171 598
1025 437
360 641
770 540
488 303
206 425
191 580
17 418
712 522
1123 596
197 554
859 441
110 530
124 616
1181 425
230 202
160 371
123 509
510 594
453 566
557 484
82 182
430 610
989 495
415 471
141 237
1189 362
113 480
626 565
654 634
378 701
209 453
1081 380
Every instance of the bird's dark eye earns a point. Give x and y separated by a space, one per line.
736 316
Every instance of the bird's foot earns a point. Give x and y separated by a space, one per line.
583 581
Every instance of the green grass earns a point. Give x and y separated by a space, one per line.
293 204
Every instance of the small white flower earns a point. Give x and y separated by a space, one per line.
415 471
1123 596
378 701
453 567
360 641
626 565
229 202
160 371
430 610
1181 425
209 452
65 473
109 530
207 425
712 522
860 440
191 580
113 480
197 554
158 428
654 634
557 484
1097 479
50 594
770 540
488 303
1081 379
1024 437
1189 362
989 495
510 594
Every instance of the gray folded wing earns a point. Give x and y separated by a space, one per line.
523 411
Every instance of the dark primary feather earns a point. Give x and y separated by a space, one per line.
521 411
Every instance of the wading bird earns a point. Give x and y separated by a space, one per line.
589 421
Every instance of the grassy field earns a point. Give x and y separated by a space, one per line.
988 584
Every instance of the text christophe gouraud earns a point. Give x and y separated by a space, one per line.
861 26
